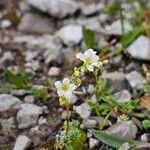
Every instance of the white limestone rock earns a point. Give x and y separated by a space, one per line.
55 8
34 23
140 48
29 99
83 110
22 143
70 34
125 146
28 115
8 102
115 28
54 71
93 143
89 123
135 79
123 96
125 129
116 79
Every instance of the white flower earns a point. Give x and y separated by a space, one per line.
65 88
89 58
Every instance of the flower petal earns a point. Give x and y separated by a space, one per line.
87 53
57 84
72 87
68 94
97 64
80 56
60 93
95 58
91 51
66 81
90 68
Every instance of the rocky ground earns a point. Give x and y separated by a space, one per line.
43 36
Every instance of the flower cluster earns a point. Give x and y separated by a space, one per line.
66 88
89 58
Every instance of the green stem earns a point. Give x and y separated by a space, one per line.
121 16
68 118
96 74
97 112
106 118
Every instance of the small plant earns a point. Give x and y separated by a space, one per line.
75 139
146 124
111 9
22 81
103 93
103 90
122 118
146 88
66 89
121 16
146 70
107 104
104 106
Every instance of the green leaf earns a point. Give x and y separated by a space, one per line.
116 141
142 4
125 106
42 94
91 104
146 124
130 37
28 75
78 144
88 37
103 89
121 16
147 113
110 90
116 52
76 139
127 39
18 81
146 88
105 107
111 9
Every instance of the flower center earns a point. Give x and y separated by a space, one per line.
87 61
64 87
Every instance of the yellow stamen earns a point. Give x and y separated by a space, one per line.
88 61
64 87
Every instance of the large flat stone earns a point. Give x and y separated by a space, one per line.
70 34
8 102
35 23
116 79
125 129
55 8
28 115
